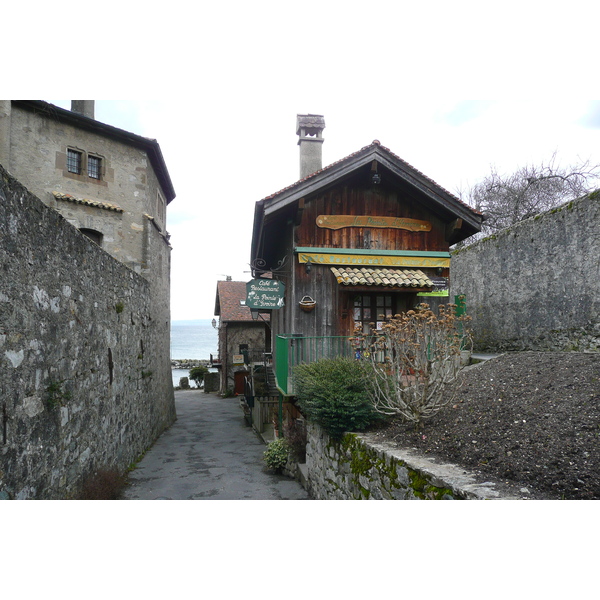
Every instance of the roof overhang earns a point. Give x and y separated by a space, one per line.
461 218
150 146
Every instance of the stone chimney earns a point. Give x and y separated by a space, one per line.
83 107
309 128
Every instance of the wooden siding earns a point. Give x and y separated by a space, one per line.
374 202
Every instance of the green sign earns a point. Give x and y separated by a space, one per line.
264 294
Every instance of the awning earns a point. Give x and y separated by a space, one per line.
394 278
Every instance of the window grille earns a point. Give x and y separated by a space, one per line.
74 161
93 167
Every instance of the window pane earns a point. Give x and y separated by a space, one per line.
73 161
94 167
366 300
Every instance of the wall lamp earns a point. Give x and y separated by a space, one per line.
214 323
308 266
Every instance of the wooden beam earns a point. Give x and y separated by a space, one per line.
299 211
452 229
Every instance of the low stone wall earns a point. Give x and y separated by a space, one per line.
536 285
85 381
359 467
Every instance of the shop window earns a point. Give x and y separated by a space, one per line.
379 308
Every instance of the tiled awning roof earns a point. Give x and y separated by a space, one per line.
395 278
86 202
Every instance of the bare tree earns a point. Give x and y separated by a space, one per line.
507 199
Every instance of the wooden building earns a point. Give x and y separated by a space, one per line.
355 242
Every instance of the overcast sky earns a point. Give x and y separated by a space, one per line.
220 88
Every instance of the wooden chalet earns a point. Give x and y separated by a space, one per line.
354 243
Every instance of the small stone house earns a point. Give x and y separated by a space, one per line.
244 341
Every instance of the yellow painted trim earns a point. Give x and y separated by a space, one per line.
358 260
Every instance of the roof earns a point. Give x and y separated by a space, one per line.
228 305
374 144
87 202
393 278
435 195
150 146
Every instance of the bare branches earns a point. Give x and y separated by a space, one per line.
415 360
508 199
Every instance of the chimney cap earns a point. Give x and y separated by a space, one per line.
311 124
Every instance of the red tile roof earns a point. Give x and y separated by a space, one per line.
228 306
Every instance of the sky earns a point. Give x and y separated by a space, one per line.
221 162
452 88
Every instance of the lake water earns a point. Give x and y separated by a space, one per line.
195 340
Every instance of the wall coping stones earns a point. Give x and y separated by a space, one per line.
363 466
463 483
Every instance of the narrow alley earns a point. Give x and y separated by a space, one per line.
208 454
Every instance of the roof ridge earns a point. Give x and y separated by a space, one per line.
373 144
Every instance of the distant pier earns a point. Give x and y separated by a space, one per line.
188 363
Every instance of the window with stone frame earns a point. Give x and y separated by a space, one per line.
94 166
74 160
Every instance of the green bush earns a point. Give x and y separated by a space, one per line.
198 373
276 454
333 394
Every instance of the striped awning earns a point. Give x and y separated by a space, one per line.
394 278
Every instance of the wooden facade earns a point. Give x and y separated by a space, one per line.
370 211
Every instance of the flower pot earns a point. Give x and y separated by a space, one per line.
307 304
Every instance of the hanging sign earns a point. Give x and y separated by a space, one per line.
265 294
341 221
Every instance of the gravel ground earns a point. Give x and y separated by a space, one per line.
526 420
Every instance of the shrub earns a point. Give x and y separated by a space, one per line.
198 373
276 454
415 361
105 484
333 394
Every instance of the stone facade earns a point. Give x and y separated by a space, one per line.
131 182
84 375
84 339
536 285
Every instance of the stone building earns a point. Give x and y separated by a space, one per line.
85 374
110 184
243 340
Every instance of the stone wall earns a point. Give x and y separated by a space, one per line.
536 285
85 375
359 467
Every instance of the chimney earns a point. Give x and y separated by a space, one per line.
83 107
309 128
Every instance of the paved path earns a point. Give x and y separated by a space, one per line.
208 454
